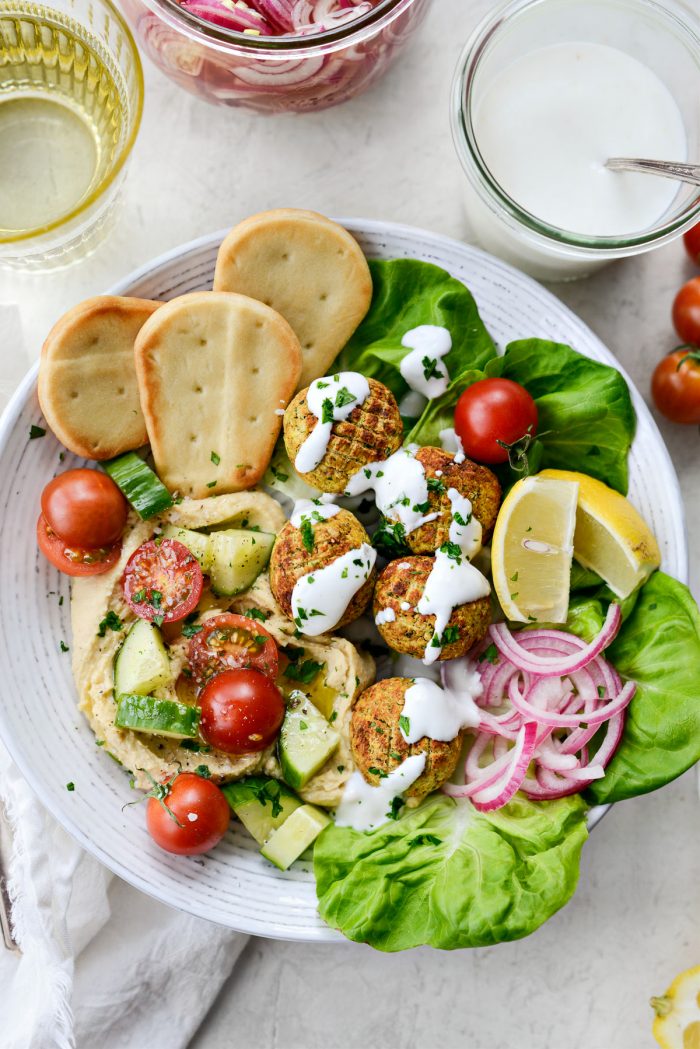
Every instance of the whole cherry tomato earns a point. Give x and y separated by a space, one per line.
686 312
242 711
188 815
691 239
491 415
84 508
675 386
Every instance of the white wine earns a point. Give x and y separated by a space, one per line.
62 106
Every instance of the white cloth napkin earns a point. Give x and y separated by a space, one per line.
100 964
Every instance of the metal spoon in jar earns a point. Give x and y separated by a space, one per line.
666 168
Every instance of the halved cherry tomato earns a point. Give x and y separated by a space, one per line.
85 508
242 711
162 581
691 239
686 312
230 641
71 561
675 386
197 819
491 415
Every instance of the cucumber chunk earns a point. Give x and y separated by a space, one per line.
294 836
142 663
157 717
144 489
238 558
262 804
306 741
199 545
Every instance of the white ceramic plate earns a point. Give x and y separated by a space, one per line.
39 723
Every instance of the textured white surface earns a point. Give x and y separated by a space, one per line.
583 981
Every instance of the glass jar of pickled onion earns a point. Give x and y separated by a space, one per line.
274 55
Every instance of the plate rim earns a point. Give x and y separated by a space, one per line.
26 390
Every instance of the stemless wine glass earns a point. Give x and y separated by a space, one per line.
71 96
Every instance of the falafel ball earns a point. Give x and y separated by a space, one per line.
399 588
329 539
378 746
476 483
372 432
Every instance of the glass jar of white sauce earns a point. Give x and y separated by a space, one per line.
545 92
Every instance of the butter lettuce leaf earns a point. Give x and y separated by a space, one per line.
407 294
448 876
658 646
586 418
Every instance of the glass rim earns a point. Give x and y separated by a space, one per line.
288 43
110 177
676 18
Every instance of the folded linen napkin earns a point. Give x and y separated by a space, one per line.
100 964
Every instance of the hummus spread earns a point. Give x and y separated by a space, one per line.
346 670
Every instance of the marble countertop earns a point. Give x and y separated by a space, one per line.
582 981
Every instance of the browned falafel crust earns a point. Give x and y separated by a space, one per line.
477 483
372 432
378 746
290 559
411 632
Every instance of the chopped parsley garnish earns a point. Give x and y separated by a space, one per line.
36 431
70 786
514 577
436 484
460 520
257 613
405 724
421 508
212 484
60 601
303 726
268 791
390 539
307 534
490 655
158 620
216 459
327 411
61 456
426 839
430 368
396 805
452 551
279 475
374 771
344 573
202 771
322 385
156 598
435 642
260 639
64 647
367 473
333 717
340 768
110 622
195 745
449 635
190 629
344 397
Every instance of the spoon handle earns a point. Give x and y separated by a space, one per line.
666 168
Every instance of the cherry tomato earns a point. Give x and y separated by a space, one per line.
493 411
242 711
675 386
85 508
229 641
198 818
73 561
691 239
162 581
686 312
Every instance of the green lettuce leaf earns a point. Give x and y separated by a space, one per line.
448 876
658 646
586 418
407 294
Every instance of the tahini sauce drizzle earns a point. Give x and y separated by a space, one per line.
364 807
320 598
328 391
439 713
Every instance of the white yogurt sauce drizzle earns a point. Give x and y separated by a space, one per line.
465 530
364 807
439 713
452 582
333 397
386 615
452 442
423 368
400 488
320 598
313 510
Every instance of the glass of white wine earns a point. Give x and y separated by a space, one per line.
71 97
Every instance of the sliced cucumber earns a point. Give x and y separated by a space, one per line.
142 663
294 836
262 804
198 544
238 558
144 490
306 741
157 717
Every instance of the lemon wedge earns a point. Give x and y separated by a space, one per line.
611 538
677 1023
532 549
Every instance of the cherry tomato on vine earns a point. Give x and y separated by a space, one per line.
187 815
85 509
491 414
70 560
686 312
229 641
691 239
675 385
242 711
162 581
